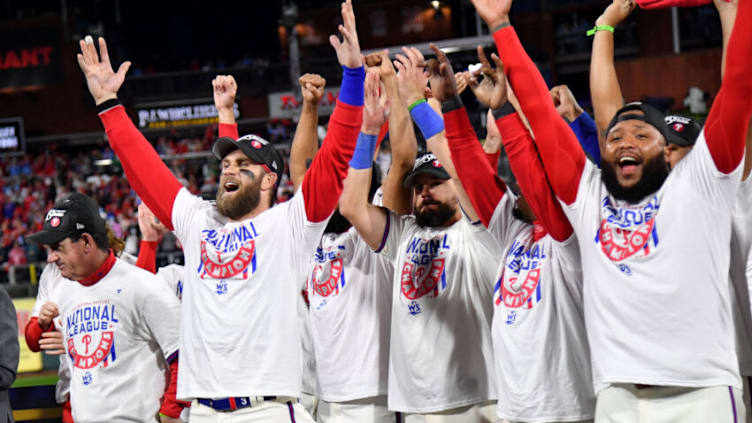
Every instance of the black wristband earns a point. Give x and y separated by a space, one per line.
505 110
500 27
450 104
109 104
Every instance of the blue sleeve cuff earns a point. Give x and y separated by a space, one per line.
587 134
351 91
363 155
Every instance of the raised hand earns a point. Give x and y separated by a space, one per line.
493 12
48 312
380 62
225 89
312 87
373 112
565 103
616 12
52 343
412 79
443 84
151 228
348 50
462 81
102 81
492 91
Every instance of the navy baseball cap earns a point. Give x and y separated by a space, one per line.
428 164
72 215
681 130
650 115
256 148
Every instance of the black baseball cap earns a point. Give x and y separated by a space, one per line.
650 115
72 215
682 130
426 163
256 148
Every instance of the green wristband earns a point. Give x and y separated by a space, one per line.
597 28
412 106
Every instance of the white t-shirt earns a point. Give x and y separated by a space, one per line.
656 291
240 333
441 355
542 356
741 241
173 275
118 333
52 285
351 301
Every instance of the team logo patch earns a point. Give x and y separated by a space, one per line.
423 272
625 233
326 278
519 286
228 254
90 335
55 222
678 127
53 213
257 145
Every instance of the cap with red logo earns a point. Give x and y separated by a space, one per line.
72 215
256 148
681 130
426 163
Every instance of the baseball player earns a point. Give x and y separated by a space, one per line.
440 357
119 329
43 332
240 335
348 291
656 299
542 357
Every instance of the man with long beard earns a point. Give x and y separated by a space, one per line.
240 334
654 246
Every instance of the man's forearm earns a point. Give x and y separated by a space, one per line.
404 149
304 143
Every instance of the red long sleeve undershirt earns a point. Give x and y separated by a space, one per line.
479 179
33 333
528 169
493 159
560 152
142 165
728 121
322 183
147 256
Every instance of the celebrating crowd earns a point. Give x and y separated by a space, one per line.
607 282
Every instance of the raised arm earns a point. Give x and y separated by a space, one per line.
726 128
152 231
582 124
370 221
404 146
305 143
479 188
604 83
559 149
225 89
141 163
322 183
492 145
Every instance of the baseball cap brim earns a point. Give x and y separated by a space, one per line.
45 237
226 145
432 171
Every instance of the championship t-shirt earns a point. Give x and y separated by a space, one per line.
440 354
351 301
118 334
542 356
240 333
52 285
656 290
741 241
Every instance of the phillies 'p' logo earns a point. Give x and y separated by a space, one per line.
678 127
55 222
